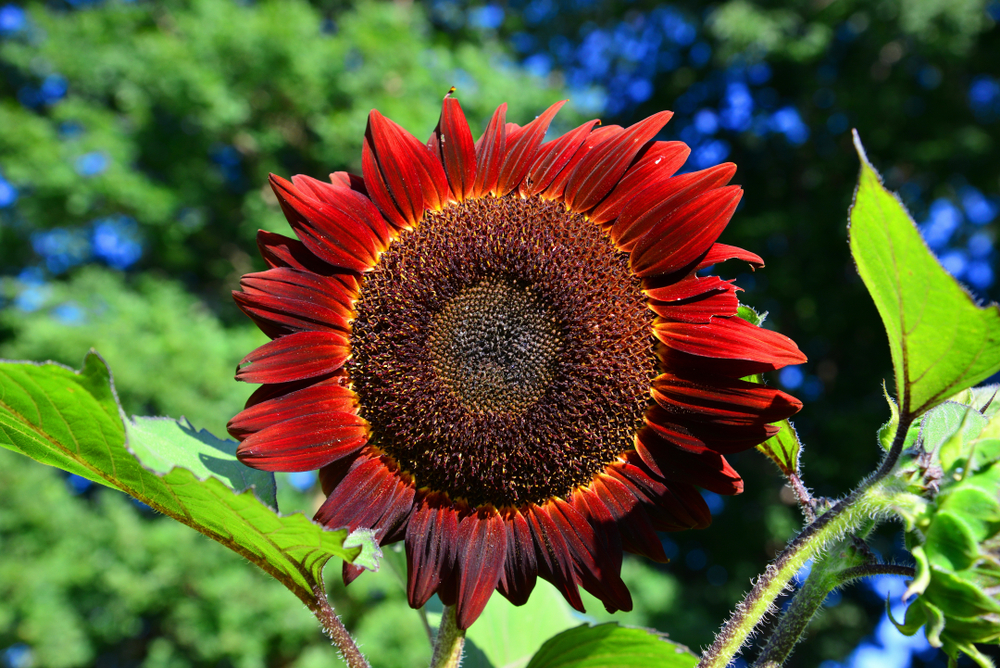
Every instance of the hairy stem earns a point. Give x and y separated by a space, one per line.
802 494
795 620
450 640
320 606
868 570
847 515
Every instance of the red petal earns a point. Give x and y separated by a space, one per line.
490 150
601 169
706 469
430 541
391 173
680 238
557 188
521 150
724 399
348 180
733 339
281 251
721 252
687 288
482 545
285 300
304 443
520 569
295 357
340 240
697 435
672 508
452 140
595 569
637 532
371 496
346 203
552 158
326 396
662 200
555 563
700 309
656 165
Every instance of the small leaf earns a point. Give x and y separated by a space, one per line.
72 420
887 432
951 543
611 646
508 636
941 341
783 448
750 315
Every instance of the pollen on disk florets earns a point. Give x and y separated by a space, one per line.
502 351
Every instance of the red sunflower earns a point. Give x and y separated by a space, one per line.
500 352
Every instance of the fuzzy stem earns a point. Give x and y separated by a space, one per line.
320 606
868 570
795 620
847 515
805 499
450 640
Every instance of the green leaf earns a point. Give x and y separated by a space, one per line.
783 448
72 420
611 646
508 636
887 432
941 341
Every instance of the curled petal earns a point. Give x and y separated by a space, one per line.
601 169
698 434
699 309
690 287
521 150
722 252
294 357
281 251
347 180
304 443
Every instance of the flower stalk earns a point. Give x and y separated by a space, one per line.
450 641
335 629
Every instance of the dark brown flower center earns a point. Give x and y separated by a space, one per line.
495 346
502 351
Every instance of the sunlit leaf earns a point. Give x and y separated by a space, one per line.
72 420
941 341
611 646
783 448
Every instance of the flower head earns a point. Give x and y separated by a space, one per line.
500 352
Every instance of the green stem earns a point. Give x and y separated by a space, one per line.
795 620
859 508
320 606
450 640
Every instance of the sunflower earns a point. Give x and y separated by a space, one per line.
502 352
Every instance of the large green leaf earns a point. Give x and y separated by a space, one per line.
72 420
941 341
611 646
